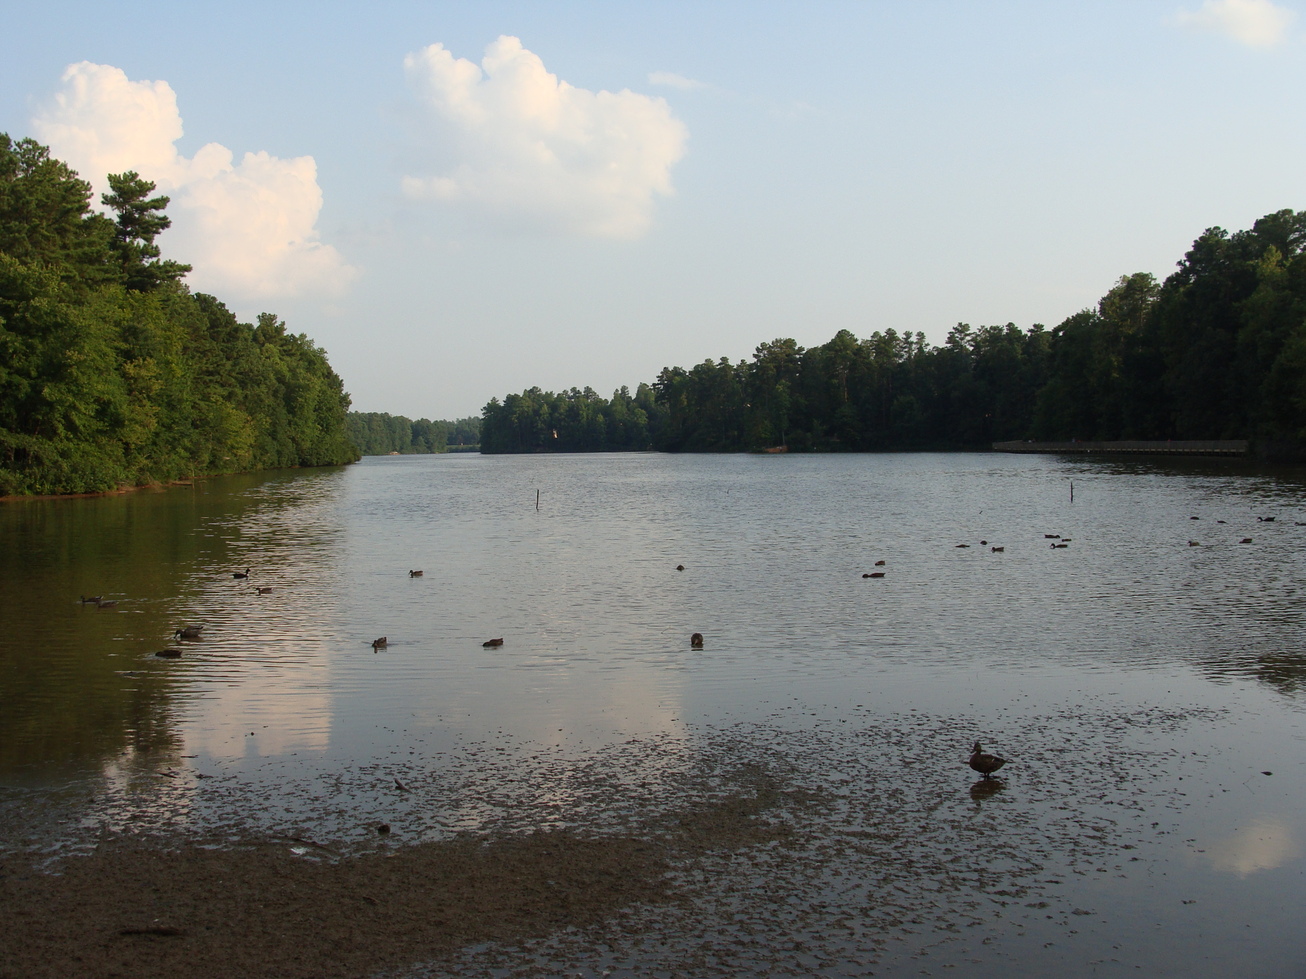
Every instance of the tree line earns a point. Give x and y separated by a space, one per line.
375 433
1216 351
573 421
113 373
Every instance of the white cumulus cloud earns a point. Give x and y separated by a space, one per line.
509 141
248 228
1256 23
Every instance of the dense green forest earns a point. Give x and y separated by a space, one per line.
112 373
1216 351
375 433
573 421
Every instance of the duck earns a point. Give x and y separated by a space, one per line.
997 550
240 574
1245 540
879 564
874 574
984 763
92 600
380 643
492 642
415 574
265 591
696 640
189 632
680 567
168 653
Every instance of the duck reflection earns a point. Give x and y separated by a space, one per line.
986 788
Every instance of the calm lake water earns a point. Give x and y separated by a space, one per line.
1147 683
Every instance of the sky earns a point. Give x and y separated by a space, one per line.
458 201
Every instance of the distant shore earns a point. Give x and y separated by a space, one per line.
1214 447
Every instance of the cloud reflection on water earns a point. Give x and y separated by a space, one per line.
1265 843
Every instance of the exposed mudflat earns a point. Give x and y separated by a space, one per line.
825 845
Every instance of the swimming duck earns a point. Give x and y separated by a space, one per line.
380 643
265 591
874 574
696 640
189 632
415 574
879 564
168 653
983 763
997 550
680 567
492 642
240 574
93 600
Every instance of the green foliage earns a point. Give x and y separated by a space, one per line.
45 217
573 421
112 373
140 221
462 433
1216 351
375 433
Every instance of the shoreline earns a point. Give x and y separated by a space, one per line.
754 850
119 491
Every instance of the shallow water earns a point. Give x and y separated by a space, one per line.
1140 685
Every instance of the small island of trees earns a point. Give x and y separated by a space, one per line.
375 433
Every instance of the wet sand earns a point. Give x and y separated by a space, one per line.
140 909
851 845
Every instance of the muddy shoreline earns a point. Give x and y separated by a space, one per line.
837 849
298 908
139 909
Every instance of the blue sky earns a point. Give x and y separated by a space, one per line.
460 200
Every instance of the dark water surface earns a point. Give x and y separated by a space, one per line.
1147 683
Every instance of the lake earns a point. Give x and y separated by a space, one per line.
1146 682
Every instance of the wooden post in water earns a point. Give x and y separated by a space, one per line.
1072 491
537 499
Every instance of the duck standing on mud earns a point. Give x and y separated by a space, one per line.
983 763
